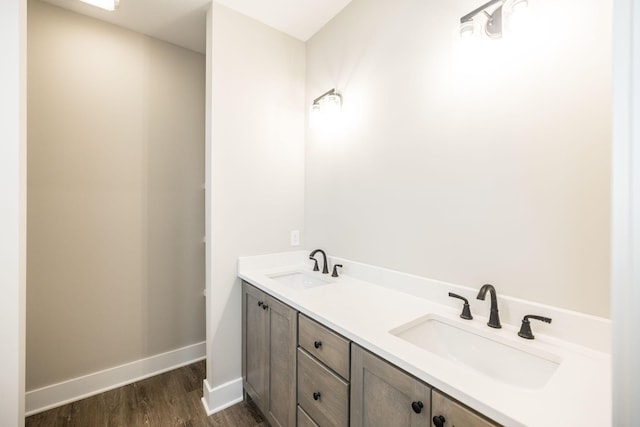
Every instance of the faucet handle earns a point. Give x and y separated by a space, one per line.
315 264
466 311
335 270
525 329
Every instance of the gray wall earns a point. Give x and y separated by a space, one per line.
470 164
115 198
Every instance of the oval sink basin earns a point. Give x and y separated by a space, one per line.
499 359
299 280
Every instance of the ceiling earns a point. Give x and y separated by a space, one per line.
183 22
298 18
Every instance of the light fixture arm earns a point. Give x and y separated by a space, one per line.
469 16
327 93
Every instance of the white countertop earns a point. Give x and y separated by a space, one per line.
578 393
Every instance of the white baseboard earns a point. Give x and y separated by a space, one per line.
221 397
48 397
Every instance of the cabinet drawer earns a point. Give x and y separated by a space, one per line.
304 420
454 413
324 344
321 393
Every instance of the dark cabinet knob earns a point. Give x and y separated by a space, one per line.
316 395
317 344
439 421
260 303
417 407
265 307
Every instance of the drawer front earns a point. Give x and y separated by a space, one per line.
324 344
321 393
454 413
304 420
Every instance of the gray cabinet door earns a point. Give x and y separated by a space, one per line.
255 335
269 333
383 395
304 420
283 327
455 414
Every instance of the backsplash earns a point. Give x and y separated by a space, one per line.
567 326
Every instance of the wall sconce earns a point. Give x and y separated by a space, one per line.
325 109
494 20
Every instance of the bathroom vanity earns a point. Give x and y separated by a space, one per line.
375 347
382 394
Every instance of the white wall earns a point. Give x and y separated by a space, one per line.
13 26
256 157
483 164
116 204
625 275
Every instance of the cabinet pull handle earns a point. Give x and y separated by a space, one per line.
439 421
260 303
317 344
316 395
417 407
265 306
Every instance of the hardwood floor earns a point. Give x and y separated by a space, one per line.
169 399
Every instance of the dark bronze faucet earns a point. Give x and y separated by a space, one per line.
325 267
494 318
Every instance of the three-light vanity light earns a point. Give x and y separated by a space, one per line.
504 13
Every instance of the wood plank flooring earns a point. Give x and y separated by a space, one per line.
166 400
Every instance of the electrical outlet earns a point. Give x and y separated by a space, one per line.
295 238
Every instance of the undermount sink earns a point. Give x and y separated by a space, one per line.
299 280
499 359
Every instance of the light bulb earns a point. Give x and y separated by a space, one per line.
331 102
330 106
518 6
467 29
325 111
519 16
